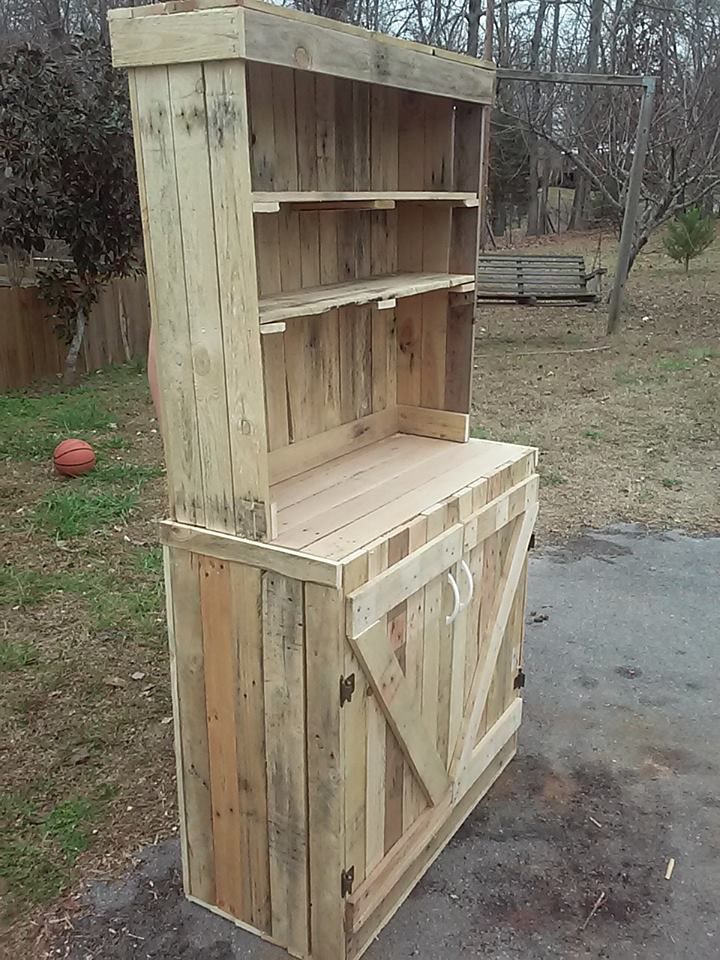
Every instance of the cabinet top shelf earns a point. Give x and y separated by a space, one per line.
384 290
270 201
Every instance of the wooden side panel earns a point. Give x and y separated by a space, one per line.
284 685
198 238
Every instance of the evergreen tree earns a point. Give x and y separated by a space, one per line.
688 235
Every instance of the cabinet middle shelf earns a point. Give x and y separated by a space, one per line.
382 290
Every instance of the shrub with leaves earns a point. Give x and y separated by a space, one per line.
67 173
688 235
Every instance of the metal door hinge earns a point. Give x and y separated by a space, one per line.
347 878
519 680
347 689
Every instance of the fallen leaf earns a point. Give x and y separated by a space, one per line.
138 675
115 682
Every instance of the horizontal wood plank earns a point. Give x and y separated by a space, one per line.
378 596
426 422
266 556
501 511
183 38
270 201
303 455
315 300
300 41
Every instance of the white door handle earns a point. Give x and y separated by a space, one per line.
470 584
456 599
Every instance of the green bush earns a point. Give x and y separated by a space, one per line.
688 235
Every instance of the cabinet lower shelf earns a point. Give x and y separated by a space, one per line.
333 510
271 201
314 300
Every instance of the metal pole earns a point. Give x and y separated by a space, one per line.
631 204
485 132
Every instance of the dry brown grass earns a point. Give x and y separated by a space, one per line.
629 433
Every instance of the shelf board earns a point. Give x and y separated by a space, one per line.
271 201
339 507
381 290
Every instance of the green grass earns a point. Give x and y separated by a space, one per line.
625 378
129 601
128 474
16 654
593 433
550 478
38 850
670 484
674 364
73 512
149 560
30 427
703 353
480 433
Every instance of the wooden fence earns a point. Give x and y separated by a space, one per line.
117 332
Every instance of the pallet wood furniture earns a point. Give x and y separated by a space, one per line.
527 279
345 568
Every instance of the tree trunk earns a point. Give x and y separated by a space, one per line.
70 375
534 226
582 187
473 17
536 223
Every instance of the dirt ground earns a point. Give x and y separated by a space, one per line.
628 429
627 432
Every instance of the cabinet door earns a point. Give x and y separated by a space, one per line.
436 639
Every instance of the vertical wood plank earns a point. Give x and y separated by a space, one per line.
306 120
376 745
438 143
189 124
325 643
409 346
434 331
284 128
414 801
290 260
344 135
459 352
232 883
284 686
384 137
355 332
395 765
361 136
225 91
325 131
310 248
152 117
267 253
432 613
191 729
262 140
466 153
411 141
354 715
246 608
276 399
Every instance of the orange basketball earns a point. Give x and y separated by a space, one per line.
73 458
